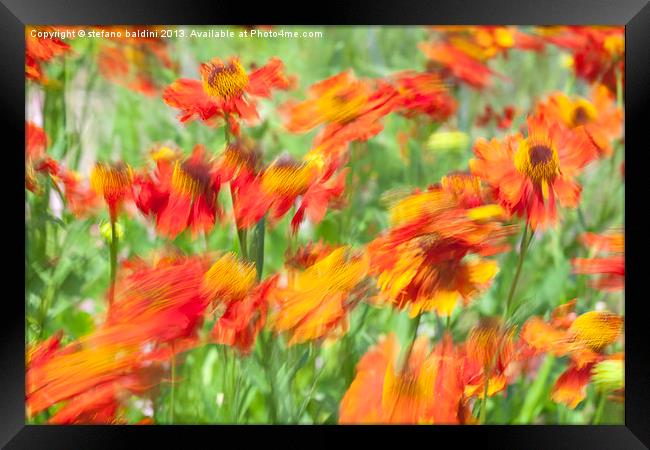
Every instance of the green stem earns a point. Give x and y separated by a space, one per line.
523 247
415 323
171 407
599 409
113 251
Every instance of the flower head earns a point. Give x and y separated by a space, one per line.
181 193
225 90
315 302
599 117
113 182
529 174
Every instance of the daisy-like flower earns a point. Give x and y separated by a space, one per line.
583 338
113 182
181 193
225 90
423 93
530 174
39 51
599 117
314 303
81 199
421 262
611 268
349 108
426 389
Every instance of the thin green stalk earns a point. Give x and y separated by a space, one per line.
171 408
599 409
113 256
523 247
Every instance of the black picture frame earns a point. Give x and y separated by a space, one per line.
634 14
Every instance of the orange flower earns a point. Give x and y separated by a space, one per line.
36 160
600 118
113 182
229 279
612 268
180 193
583 339
39 50
277 188
488 352
527 174
458 64
129 61
81 200
598 52
243 319
225 91
425 390
314 303
423 93
420 263
350 108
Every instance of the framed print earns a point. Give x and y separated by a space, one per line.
415 218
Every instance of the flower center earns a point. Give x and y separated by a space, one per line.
288 178
228 279
342 105
112 181
224 81
190 178
537 160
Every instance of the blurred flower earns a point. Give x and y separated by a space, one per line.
488 352
582 339
420 262
349 108
225 91
315 303
427 389
611 268
450 60
503 121
243 319
130 61
36 159
598 52
113 182
181 193
40 50
600 118
527 174
228 280
423 93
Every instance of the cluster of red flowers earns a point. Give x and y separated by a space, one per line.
435 257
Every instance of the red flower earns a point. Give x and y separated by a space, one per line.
40 50
423 93
181 194
225 90
243 319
